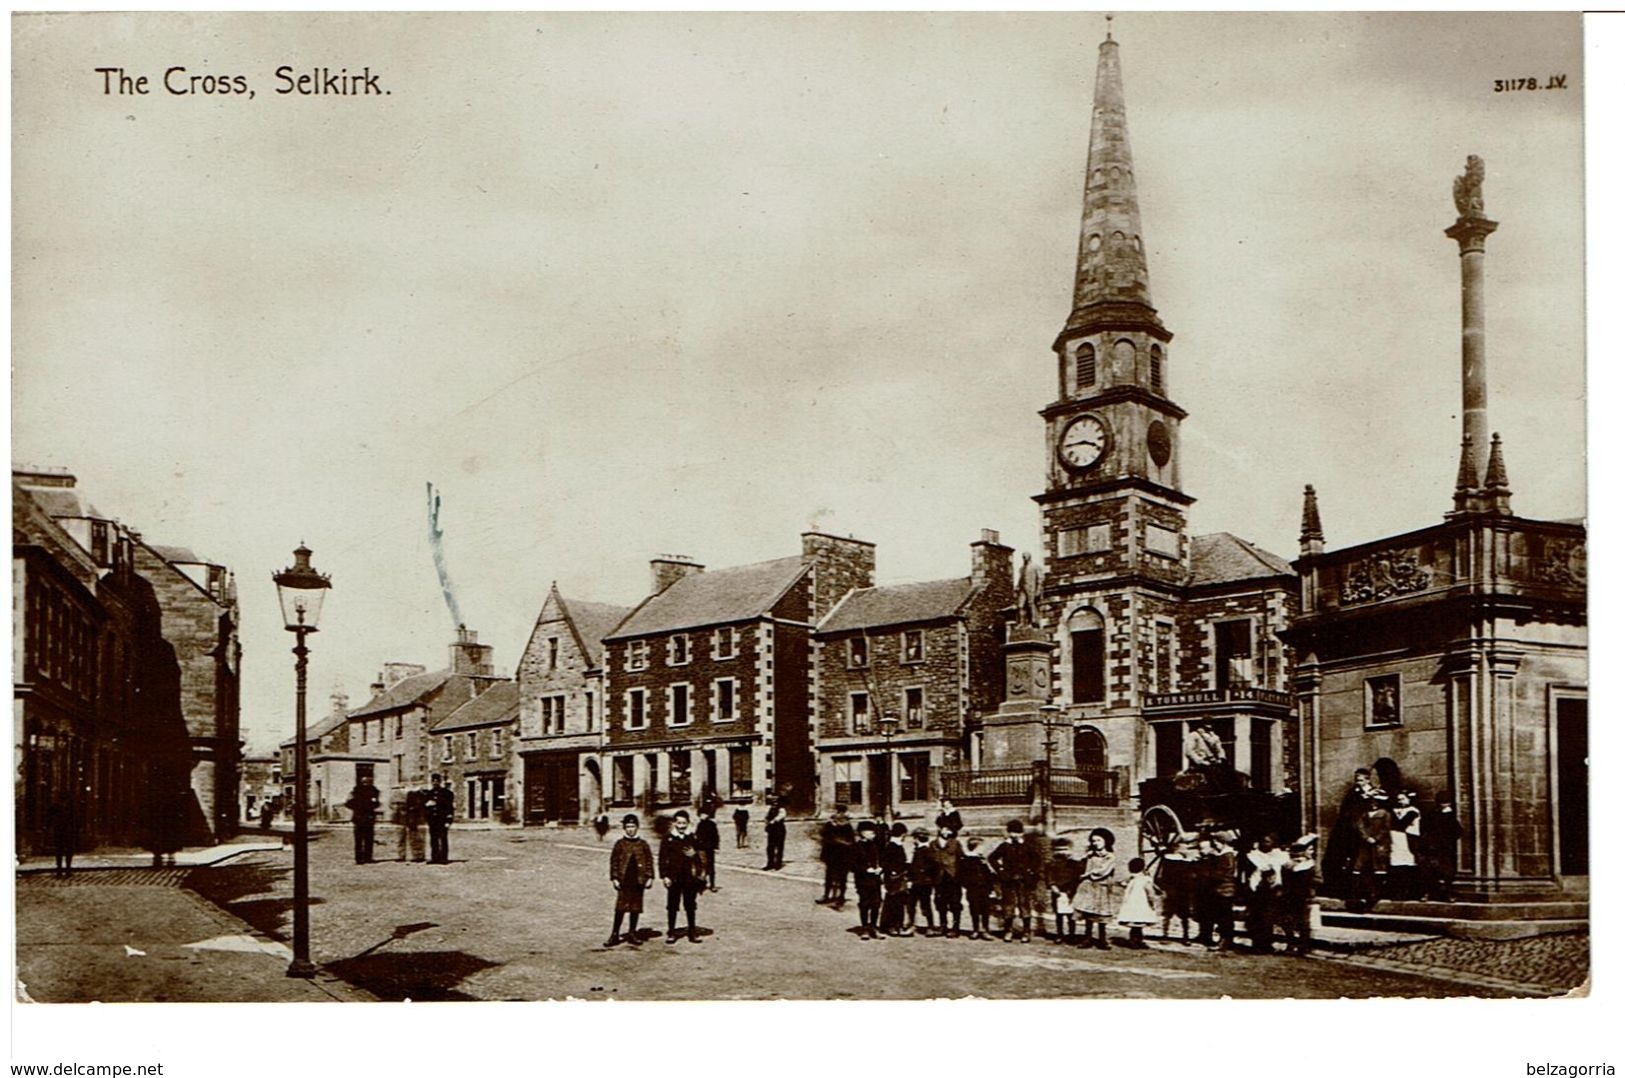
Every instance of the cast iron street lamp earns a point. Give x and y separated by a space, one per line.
1050 714
888 729
300 591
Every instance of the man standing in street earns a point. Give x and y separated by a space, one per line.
363 806
438 809
709 842
680 871
741 828
777 824
836 842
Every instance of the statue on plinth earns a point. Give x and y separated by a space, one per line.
1469 189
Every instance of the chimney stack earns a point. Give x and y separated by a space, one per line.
991 564
668 569
839 567
469 656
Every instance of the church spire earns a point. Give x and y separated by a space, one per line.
1497 491
1111 256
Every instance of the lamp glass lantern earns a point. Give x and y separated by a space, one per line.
301 589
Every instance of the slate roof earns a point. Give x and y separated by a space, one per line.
1221 558
404 693
897 604
57 501
322 728
594 621
175 553
714 597
497 704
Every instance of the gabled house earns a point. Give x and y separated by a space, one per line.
561 709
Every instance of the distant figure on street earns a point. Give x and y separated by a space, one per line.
681 872
777 825
1015 862
631 871
364 807
1373 832
64 824
267 810
600 824
166 820
412 810
835 849
894 874
709 841
1298 895
438 808
948 816
945 853
1136 910
1262 871
976 878
1441 837
866 873
741 828
1095 900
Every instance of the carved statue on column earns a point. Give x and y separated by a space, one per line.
1027 587
1469 189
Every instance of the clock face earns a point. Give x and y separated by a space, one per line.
1083 442
1156 440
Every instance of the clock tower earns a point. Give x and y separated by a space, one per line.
1113 508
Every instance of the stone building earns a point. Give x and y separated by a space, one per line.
200 620
331 768
1152 629
1452 661
926 655
561 709
709 678
260 784
394 730
475 746
125 670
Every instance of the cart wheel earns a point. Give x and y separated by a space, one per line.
1159 830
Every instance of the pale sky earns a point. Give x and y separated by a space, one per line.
629 285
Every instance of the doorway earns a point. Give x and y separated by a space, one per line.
1573 787
879 785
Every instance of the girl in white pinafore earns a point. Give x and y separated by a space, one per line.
1137 910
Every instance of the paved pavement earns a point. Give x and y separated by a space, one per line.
133 935
523 915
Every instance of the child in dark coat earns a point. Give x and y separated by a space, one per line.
631 871
894 874
866 873
922 880
976 878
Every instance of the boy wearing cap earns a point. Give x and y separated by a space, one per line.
894 874
682 872
922 878
976 878
1298 895
1015 863
866 872
631 870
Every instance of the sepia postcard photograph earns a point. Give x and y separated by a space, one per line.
767 506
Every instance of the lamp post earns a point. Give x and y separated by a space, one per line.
300 590
888 729
1050 714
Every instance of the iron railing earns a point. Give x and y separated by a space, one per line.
1016 785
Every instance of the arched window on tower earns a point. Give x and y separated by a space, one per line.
1085 367
1124 360
1089 749
1156 369
1086 637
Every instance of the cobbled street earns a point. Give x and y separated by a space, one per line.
523 915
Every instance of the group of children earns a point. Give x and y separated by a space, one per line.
914 883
